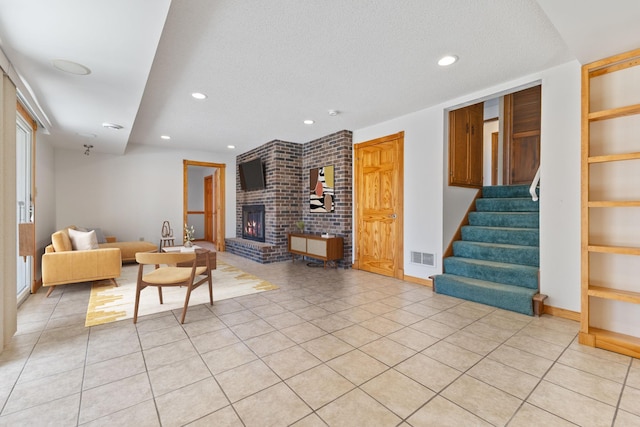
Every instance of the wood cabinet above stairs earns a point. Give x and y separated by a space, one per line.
497 260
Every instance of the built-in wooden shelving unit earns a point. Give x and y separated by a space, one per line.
611 204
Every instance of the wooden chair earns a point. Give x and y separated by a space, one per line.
170 271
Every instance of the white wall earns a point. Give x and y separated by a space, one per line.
45 196
129 196
433 209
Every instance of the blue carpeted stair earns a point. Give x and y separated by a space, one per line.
496 262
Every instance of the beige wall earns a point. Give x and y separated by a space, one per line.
8 228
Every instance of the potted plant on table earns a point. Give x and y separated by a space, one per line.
189 232
300 226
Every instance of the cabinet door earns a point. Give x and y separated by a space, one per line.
465 145
317 247
476 136
458 147
298 244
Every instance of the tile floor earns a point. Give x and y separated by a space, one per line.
330 347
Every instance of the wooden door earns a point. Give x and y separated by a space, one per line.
494 158
218 202
208 209
522 135
379 205
465 145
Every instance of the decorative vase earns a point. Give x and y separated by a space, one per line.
188 244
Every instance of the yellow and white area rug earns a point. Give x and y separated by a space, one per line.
109 303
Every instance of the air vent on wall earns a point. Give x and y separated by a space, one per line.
423 258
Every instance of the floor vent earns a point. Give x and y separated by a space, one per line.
423 258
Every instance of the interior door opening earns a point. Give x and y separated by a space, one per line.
25 207
203 200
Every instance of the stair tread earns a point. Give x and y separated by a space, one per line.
493 227
496 264
500 245
491 285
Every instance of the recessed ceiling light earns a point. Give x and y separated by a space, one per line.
165 137
71 67
447 60
308 122
111 126
198 95
231 147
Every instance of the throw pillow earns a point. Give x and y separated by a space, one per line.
99 235
83 241
60 241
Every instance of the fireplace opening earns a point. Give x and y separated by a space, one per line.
253 222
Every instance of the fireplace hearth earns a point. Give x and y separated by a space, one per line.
253 222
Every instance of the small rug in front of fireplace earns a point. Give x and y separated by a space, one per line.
109 303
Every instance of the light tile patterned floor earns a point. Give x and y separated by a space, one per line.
330 347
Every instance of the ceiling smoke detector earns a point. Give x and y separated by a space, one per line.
333 112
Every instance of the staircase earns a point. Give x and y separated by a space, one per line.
497 261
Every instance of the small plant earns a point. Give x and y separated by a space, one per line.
189 232
300 225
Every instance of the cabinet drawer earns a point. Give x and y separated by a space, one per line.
317 247
298 244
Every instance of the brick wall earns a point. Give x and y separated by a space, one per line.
333 150
286 196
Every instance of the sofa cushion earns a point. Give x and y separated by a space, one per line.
100 235
61 242
83 241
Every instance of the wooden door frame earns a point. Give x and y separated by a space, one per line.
208 208
399 249
220 194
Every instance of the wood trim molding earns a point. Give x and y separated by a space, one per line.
561 312
419 281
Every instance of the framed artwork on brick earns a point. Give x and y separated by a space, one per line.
321 189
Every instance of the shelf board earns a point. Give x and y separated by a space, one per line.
613 113
614 341
614 249
614 294
614 204
614 157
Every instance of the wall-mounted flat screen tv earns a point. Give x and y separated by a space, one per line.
251 175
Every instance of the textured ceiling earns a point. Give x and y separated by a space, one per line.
266 66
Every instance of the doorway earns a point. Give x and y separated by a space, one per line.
379 189
204 200
25 206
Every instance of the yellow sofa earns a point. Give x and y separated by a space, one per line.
62 265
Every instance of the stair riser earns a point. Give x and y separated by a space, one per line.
514 301
506 205
508 276
523 255
492 219
507 191
525 237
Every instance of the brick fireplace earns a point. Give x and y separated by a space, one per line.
286 196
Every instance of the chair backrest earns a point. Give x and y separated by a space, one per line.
164 258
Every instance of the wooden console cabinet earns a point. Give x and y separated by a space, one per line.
327 249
